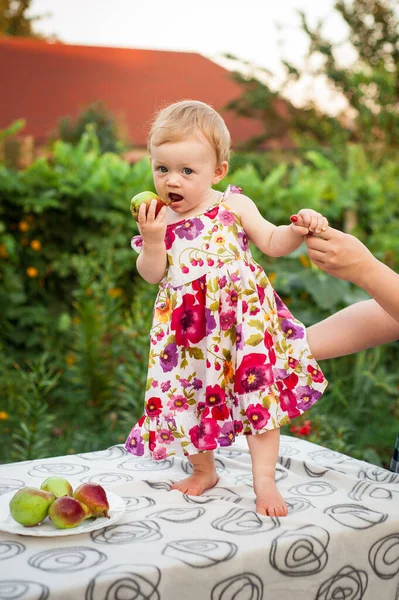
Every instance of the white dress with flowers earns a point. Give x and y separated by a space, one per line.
226 356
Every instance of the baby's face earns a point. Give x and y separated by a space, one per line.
184 172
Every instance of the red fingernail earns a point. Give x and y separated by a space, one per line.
293 219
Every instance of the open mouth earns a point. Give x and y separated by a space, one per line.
174 197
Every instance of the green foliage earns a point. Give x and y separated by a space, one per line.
14 20
70 294
100 119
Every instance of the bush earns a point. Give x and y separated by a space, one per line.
71 295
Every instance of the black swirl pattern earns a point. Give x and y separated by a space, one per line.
108 478
179 515
10 485
20 589
288 450
246 586
138 582
162 485
67 560
215 493
314 488
298 505
348 584
379 475
355 516
112 453
362 489
239 521
200 553
384 556
132 464
219 464
300 552
127 533
134 503
10 549
61 469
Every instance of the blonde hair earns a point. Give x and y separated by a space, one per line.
188 117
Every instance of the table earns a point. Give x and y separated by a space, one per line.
339 541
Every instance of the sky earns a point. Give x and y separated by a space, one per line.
260 31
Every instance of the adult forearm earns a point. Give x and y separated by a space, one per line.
151 262
358 327
382 284
283 241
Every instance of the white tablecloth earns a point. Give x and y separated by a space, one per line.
340 540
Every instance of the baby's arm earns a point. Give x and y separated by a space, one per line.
151 262
270 239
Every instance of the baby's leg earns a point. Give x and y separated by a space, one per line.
264 454
204 475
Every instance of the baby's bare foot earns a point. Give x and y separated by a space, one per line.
269 501
196 483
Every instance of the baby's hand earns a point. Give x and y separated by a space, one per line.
307 221
152 228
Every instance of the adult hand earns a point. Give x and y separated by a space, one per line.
340 254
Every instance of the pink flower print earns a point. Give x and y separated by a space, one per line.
226 217
134 443
244 307
220 413
169 238
222 282
178 403
238 426
214 395
188 322
257 415
210 262
316 374
165 386
288 403
272 356
239 338
227 436
159 454
282 310
154 407
234 278
185 383
168 357
235 189
291 381
292 362
268 340
292 331
204 436
227 320
211 214
210 321
232 298
254 310
190 229
307 396
185 269
243 241
136 242
253 374
197 383
261 294
165 436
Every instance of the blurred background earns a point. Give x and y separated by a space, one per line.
310 93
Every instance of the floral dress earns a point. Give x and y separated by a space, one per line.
226 355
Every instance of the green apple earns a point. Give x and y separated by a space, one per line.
30 506
146 198
57 486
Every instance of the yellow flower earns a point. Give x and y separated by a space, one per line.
219 239
70 359
3 251
23 226
35 245
115 292
32 272
228 371
272 278
304 260
3 415
162 311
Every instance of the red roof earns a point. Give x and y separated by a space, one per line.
43 82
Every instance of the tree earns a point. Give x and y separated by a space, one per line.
370 84
14 21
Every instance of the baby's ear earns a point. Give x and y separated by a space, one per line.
221 171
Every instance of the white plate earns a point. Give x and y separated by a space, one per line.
117 507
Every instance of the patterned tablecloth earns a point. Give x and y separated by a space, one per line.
340 540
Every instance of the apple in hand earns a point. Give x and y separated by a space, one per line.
146 198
